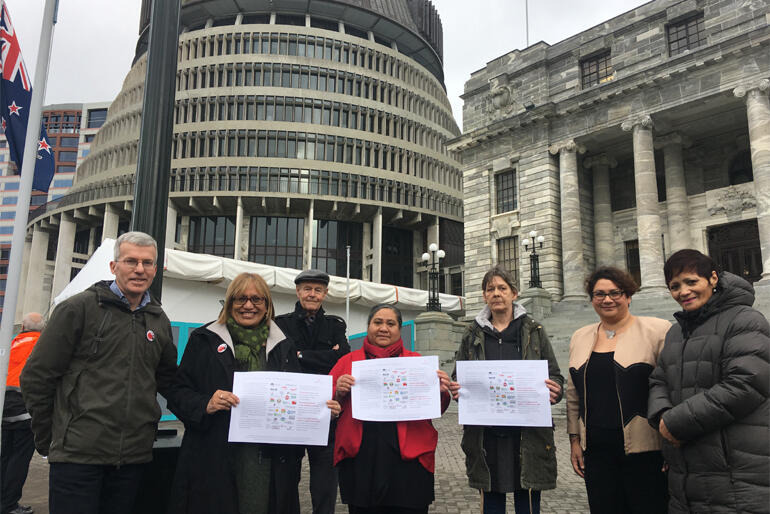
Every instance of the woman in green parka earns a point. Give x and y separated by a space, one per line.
501 460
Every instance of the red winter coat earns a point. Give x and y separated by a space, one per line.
416 439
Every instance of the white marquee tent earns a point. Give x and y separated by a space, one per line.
194 284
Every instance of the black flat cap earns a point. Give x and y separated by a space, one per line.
312 275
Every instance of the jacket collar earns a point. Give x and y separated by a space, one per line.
302 313
274 336
105 295
484 317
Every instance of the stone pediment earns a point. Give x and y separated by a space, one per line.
730 200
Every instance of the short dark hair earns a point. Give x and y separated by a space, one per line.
498 271
377 308
619 277
689 260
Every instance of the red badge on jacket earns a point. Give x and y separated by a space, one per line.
221 348
150 336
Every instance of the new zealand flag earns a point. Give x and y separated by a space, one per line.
15 96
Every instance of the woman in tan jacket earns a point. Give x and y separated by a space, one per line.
612 446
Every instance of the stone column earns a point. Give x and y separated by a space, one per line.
573 265
307 246
758 113
377 246
64 250
603 240
238 254
171 215
647 217
34 295
677 210
110 224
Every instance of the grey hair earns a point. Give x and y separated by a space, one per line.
33 322
377 308
135 238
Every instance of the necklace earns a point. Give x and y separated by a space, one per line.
610 333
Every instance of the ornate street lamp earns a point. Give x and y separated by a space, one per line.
534 258
432 260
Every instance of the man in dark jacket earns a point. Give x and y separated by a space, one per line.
18 444
91 382
320 341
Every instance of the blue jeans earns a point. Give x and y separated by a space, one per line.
494 503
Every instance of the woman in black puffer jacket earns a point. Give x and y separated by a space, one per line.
709 392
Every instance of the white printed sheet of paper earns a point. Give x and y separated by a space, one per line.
504 393
396 389
281 408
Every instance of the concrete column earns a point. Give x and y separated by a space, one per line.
603 240
110 225
64 250
307 250
758 113
238 255
34 299
573 265
677 209
171 215
377 246
647 217
366 244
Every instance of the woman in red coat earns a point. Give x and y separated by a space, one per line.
384 467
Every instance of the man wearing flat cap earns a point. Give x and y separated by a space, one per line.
320 340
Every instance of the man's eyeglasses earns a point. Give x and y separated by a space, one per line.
615 294
133 263
255 300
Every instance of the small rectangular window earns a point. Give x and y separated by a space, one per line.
508 256
686 35
505 187
596 70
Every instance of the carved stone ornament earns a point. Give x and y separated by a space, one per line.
500 100
643 121
760 86
730 201
568 146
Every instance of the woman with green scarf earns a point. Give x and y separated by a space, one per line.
214 476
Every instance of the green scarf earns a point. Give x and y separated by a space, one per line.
249 345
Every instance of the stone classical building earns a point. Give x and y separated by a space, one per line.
301 128
622 144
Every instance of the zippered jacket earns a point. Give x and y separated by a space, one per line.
636 352
538 452
15 413
711 388
90 383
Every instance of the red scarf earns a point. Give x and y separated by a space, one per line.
378 352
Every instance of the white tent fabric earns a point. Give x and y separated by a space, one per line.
194 283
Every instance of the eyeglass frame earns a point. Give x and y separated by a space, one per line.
615 294
132 264
255 300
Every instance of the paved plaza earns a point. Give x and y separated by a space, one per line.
453 496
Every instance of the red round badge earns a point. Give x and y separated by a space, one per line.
150 336
221 348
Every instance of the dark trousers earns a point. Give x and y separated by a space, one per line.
494 502
352 509
616 482
15 453
93 488
323 477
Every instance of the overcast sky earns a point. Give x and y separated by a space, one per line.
94 40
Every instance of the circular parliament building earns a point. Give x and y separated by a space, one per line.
300 128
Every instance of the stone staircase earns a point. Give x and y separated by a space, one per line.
566 317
